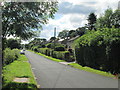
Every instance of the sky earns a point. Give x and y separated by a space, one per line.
72 14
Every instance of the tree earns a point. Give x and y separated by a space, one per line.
81 30
91 21
72 33
52 39
20 18
13 43
105 20
63 34
37 42
115 19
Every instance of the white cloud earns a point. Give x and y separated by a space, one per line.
73 14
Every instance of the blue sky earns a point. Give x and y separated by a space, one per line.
73 14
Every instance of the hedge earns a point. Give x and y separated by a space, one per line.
63 55
99 49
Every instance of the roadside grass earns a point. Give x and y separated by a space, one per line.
53 59
20 68
75 65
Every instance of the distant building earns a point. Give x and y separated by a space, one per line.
119 5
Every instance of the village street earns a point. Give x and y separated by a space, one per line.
52 74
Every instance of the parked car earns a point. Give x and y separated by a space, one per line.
22 52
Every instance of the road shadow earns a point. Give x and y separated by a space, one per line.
19 86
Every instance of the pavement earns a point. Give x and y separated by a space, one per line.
51 74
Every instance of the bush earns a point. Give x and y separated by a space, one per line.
64 55
35 48
48 45
51 45
10 55
42 50
17 53
59 48
99 49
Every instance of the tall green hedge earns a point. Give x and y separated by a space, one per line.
99 49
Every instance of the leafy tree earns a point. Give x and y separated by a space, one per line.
72 33
52 39
20 18
37 42
109 19
63 34
81 30
91 21
115 19
13 43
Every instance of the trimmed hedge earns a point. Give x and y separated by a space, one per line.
99 49
64 55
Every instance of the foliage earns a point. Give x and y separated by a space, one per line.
10 55
59 48
91 21
37 42
17 53
13 43
19 18
63 55
109 19
52 45
49 57
72 33
49 45
63 34
98 49
80 31
52 39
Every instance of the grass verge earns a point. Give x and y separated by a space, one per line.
19 68
75 65
53 59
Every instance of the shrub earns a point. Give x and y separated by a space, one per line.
17 53
10 55
59 48
43 46
35 48
99 49
51 45
42 50
64 55
48 45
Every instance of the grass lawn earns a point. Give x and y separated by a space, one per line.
54 59
18 69
75 65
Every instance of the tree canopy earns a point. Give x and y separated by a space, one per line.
20 18
91 21
63 34
108 19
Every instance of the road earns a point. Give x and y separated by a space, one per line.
52 74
